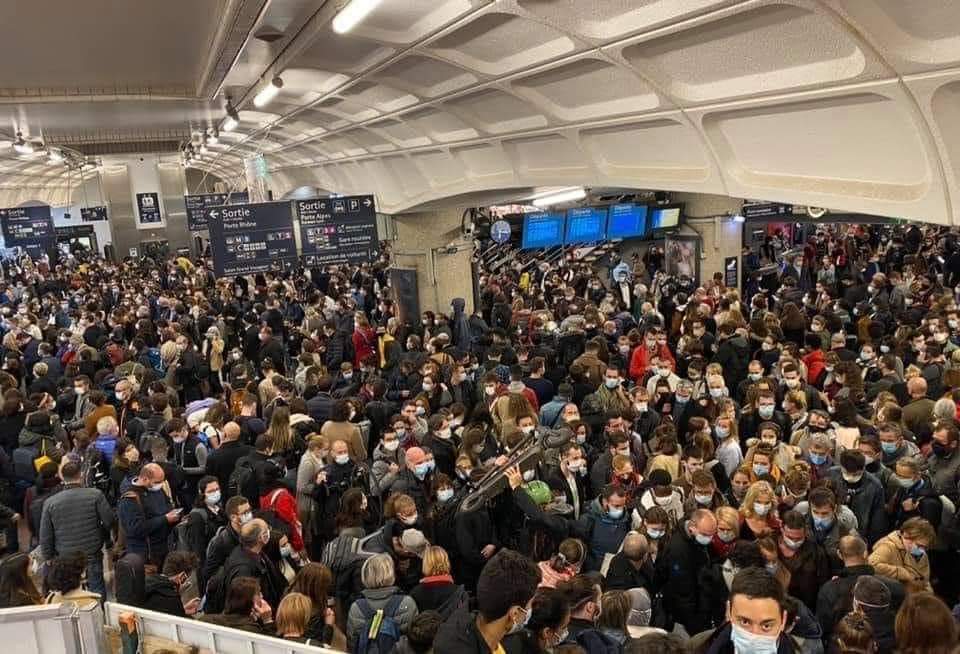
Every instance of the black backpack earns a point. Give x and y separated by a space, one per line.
216 595
243 481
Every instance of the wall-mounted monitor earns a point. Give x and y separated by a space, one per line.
627 221
543 230
586 225
664 218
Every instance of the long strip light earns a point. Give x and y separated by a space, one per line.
562 196
268 92
352 14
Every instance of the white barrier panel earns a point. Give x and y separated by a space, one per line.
52 629
214 638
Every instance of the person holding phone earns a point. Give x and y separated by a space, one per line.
174 590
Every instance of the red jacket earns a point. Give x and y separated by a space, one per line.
641 358
815 363
364 344
284 505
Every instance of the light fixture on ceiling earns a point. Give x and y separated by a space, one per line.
738 218
352 14
562 196
20 146
214 137
55 157
232 119
268 92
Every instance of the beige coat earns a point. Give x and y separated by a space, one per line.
891 559
348 433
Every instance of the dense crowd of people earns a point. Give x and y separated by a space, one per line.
598 458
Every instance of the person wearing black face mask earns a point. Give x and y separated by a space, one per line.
943 463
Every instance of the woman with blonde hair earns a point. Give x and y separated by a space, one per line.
437 591
615 607
292 616
759 512
728 452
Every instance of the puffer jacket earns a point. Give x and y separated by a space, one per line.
380 476
74 520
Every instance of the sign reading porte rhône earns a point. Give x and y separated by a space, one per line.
251 238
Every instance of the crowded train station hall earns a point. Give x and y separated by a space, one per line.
480 327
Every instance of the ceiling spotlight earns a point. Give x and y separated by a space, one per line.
55 156
562 196
214 136
233 118
351 15
22 147
268 92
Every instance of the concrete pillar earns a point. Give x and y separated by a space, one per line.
720 236
431 243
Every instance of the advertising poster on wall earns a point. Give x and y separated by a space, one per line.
682 257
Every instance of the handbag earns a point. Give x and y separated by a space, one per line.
43 459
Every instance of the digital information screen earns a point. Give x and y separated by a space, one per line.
665 218
627 221
93 214
251 238
543 230
586 225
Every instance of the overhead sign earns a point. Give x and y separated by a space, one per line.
338 230
23 225
500 231
251 238
198 204
764 209
74 231
93 214
543 229
148 209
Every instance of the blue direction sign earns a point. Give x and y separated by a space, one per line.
198 204
251 238
338 230
93 214
500 231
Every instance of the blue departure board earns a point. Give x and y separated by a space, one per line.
543 230
627 221
586 225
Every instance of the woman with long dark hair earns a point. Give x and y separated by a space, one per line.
16 587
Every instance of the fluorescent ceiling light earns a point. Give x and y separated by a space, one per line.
557 198
351 15
268 92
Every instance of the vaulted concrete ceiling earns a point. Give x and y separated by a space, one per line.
848 105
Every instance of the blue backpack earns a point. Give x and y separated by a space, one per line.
381 631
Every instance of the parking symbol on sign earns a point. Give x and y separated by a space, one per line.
354 206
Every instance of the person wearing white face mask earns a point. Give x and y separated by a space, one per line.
237 513
441 441
663 372
205 519
571 479
756 617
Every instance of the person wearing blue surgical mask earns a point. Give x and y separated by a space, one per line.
682 559
756 617
823 525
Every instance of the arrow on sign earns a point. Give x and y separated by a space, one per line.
367 202
214 214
